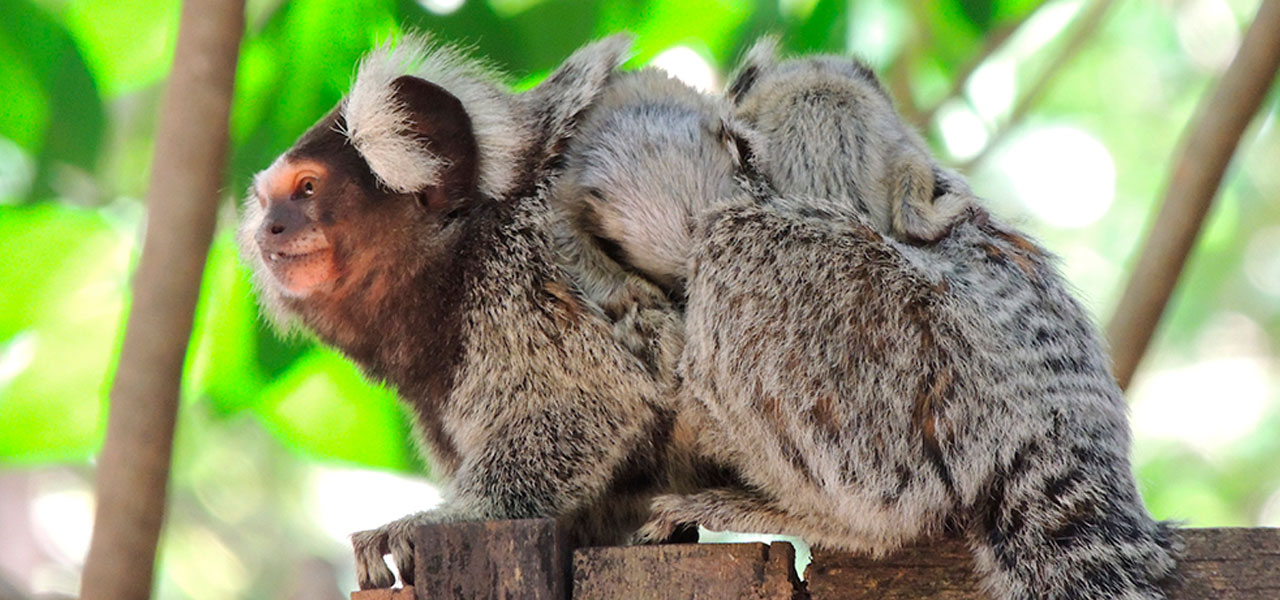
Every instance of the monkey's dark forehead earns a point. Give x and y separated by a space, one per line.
323 138
326 143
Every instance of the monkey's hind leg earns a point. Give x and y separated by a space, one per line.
733 509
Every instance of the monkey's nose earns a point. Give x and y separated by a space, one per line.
282 218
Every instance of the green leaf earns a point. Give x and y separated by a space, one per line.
64 274
325 408
978 12
222 363
661 25
128 44
823 31
50 103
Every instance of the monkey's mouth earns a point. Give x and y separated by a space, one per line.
301 271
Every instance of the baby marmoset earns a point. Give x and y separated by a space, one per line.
866 390
409 229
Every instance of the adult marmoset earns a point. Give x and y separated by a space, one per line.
409 229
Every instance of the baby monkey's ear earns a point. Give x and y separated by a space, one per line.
559 101
925 200
762 57
747 148
439 124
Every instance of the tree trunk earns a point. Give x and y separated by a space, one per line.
186 179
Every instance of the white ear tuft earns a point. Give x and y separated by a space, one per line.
764 52
762 56
377 123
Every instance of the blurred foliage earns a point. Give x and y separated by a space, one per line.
80 82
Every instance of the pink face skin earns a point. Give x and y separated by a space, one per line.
293 245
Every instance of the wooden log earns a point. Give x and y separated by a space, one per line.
678 571
494 559
530 559
1220 564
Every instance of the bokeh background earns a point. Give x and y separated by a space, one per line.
1064 114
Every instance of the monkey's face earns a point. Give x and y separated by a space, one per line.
327 228
292 243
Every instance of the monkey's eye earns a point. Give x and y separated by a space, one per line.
596 195
306 187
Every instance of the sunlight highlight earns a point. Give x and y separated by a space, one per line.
441 7
991 89
1061 173
1208 404
963 132
1208 33
684 63
63 519
345 501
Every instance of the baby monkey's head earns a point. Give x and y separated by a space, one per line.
651 154
829 130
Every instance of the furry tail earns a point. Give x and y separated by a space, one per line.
1069 525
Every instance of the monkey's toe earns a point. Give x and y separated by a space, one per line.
371 569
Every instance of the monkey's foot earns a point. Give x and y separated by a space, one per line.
668 522
394 538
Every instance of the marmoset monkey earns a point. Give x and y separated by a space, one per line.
867 391
830 131
409 229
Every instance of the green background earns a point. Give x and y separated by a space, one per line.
274 429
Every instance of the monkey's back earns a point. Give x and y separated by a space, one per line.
888 387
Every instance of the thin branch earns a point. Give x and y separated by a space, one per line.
993 42
1084 29
899 81
1206 150
190 153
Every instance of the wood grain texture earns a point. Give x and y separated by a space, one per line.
1220 564
677 571
527 559
404 593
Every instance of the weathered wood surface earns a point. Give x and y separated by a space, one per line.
1220 564
676 571
404 593
940 570
529 559
526 559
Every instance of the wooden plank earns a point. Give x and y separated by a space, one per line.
527 559
404 593
1231 563
1225 564
939 570
678 571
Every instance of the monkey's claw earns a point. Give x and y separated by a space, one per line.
394 538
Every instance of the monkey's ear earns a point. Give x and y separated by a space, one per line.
926 201
747 148
762 56
439 125
558 101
